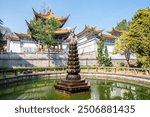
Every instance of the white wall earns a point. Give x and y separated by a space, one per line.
110 48
14 46
87 46
82 39
18 46
31 45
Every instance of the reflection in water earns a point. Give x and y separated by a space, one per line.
100 90
109 90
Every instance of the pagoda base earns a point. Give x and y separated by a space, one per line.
72 86
73 77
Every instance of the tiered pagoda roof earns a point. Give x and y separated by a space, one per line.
88 29
58 33
62 33
50 15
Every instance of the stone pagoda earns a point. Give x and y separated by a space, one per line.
73 82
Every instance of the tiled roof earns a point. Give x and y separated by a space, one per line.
106 36
50 15
88 29
114 30
23 35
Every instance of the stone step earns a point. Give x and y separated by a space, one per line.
72 84
73 89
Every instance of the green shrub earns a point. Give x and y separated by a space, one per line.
122 64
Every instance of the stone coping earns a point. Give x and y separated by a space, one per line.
118 77
59 75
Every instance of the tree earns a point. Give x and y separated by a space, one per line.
123 25
107 59
1 41
100 57
1 37
122 47
103 56
1 22
44 30
139 36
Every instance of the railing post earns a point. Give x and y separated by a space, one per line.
45 70
96 69
36 70
135 72
115 69
4 74
128 70
147 72
88 69
105 69
124 70
16 73
60 76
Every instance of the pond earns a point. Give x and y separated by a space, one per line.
43 89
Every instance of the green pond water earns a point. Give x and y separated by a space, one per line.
43 89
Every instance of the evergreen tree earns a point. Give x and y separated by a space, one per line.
1 37
44 30
103 56
1 22
123 25
107 59
100 57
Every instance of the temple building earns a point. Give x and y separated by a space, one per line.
60 35
87 43
109 41
50 15
26 43
115 32
87 40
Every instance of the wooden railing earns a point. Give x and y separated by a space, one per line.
116 70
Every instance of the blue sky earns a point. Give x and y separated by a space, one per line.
104 14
